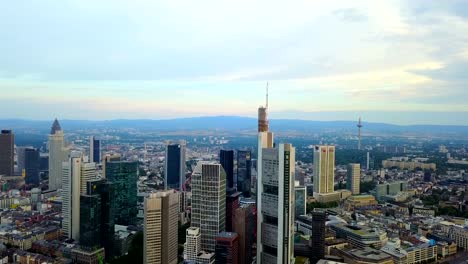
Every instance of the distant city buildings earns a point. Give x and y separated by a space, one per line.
209 202
57 154
160 227
353 179
7 152
174 169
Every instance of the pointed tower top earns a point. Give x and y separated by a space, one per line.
55 127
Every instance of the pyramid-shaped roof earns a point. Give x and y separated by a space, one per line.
55 127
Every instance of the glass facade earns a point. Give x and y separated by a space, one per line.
124 176
90 221
244 172
226 158
175 166
31 166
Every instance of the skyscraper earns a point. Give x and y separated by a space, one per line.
244 226
300 198
76 174
103 190
209 202
353 179
94 150
226 158
324 169
124 176
174 169
31 166
161 226
319 218
232 203
275 221
192 244
7 152
57 154
244 172
227 248
20 152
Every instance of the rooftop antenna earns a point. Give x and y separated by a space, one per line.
359 125
266 96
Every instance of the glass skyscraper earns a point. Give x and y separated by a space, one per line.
226 158
174 169
31 166
124 176
244 172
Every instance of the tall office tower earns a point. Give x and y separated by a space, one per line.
353 178
244 226
76 173
192 244
227 248
226 159
368 161
319 218
275 219
20 152
7 152
232 203
124 176
263 123
300 197
97 216
161 225
359 126
244 172
94 150
31 166
57 154
209 202
324 169
174 169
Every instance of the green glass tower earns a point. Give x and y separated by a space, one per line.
90 221
124 176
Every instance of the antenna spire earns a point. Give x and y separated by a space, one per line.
266 96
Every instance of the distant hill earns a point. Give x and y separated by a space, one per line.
235 123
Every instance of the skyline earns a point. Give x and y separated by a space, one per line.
396 62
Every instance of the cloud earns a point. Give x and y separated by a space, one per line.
350 15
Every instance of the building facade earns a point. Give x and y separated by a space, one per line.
319 218
57 154
94 150
324 169
244 172
174 169
227 248
244 226
160 227
209 202
31 166
226 159
7 152
353 178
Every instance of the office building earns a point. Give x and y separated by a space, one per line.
227 248
319 218
363 256
192 244
324 170
31 167
209 202
7 152
244 226
161 227
275 220
57 154
20 152
94 150
174 169
390 189
124 176
97 216
226 159
76 174
300 194
353 178
232 203
360 236
244 172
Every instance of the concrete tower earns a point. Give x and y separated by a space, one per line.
353 179
359 125
324 170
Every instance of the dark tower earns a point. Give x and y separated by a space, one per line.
226 158
244 172
7 152
319 218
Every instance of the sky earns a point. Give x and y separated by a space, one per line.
401 62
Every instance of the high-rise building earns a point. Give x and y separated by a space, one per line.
76 174
124 176
94 150
244 226
232 203
161 226
226 159
300 200
209 202
174 169
319 218
31 166
275 220
20 152
7 152
192 244
244 172
324 169
353 179
227 248
57 154
98 206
